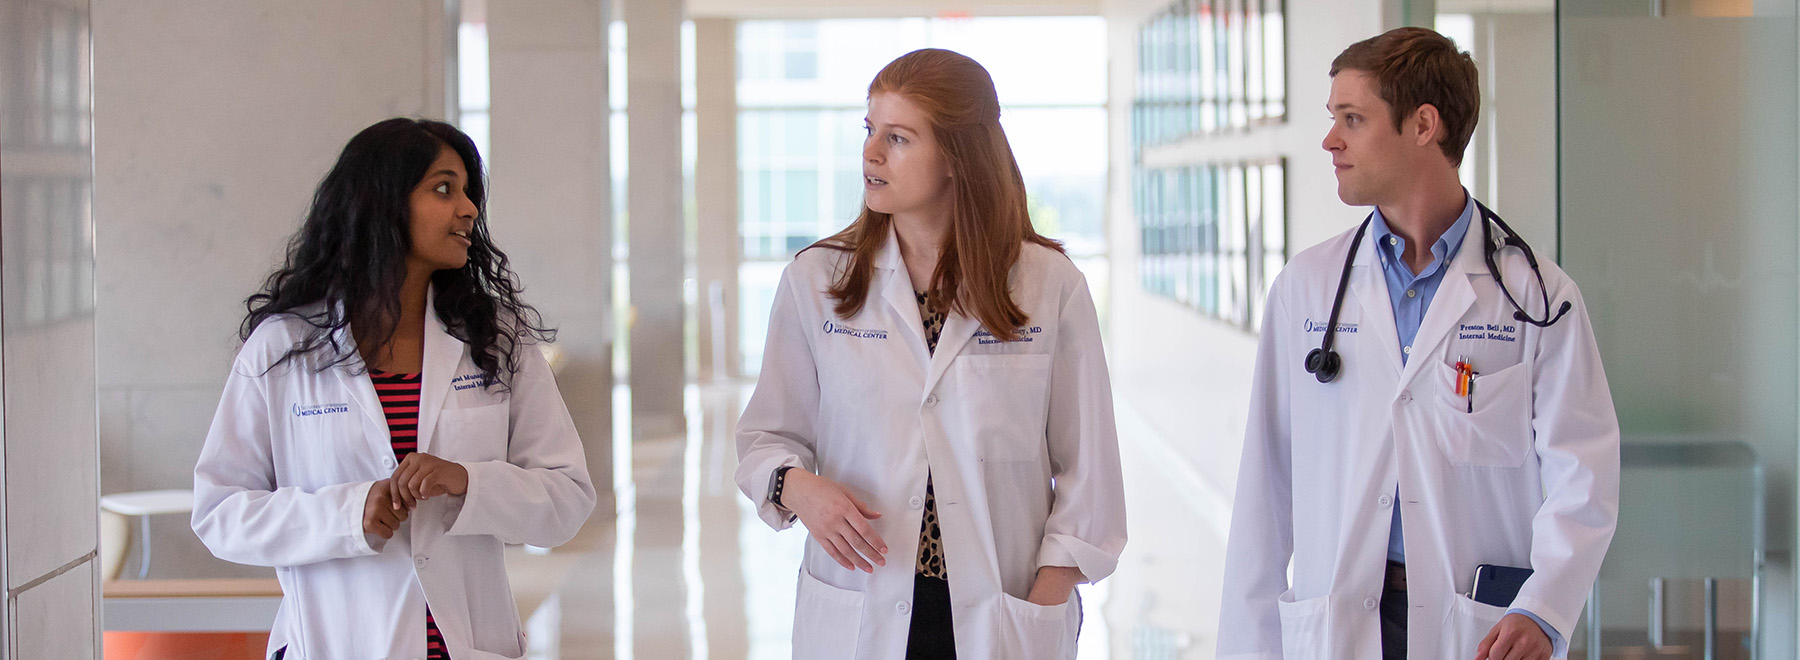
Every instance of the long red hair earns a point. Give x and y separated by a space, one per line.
989 219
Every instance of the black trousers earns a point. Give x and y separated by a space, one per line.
1393 624
931 636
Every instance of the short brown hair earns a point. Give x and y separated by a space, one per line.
1414 66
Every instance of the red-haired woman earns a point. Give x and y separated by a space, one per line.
934 403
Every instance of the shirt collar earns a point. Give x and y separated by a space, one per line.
1392 247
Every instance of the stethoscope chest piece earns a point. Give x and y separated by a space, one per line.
1323 364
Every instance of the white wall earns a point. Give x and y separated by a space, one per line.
216 119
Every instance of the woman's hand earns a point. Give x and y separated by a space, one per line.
836 519
380 515
1054 584
422 476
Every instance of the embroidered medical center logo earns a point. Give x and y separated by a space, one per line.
1343 328
320 409
859 333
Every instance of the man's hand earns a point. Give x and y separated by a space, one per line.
421 476
380 516
1516 637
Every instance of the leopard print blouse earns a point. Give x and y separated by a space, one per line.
931 540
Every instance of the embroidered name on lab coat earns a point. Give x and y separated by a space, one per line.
1490 332
984 337
859 333
468 382
320 409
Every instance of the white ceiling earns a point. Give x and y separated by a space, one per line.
887 8
1496 6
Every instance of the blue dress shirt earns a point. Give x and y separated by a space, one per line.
1411 295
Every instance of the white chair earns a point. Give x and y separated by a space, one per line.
143 504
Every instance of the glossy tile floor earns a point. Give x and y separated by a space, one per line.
687 571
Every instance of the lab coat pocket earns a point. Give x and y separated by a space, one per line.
827 620
1305 634
1006 399
1492 426
472 434
1468 624
1035 632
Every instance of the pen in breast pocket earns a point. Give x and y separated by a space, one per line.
1471 389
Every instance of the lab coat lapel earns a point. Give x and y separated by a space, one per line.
1369 288
896 289
958 329
1454 296
443 354
353 375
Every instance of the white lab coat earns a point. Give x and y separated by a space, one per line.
861 402
288 464
1530 478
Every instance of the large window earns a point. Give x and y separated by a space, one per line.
1213 233
47 191
1214 236
1209 66
800 132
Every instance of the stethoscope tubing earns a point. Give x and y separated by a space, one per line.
1324 363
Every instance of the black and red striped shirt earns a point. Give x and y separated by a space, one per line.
400 401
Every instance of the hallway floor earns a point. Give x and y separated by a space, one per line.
687 571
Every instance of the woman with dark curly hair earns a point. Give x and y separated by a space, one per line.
390 424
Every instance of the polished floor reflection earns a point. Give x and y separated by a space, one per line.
687 571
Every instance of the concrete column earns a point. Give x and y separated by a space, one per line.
718 248
656 225
550 207
48 536
215 120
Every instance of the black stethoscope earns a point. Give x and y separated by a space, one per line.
1325 363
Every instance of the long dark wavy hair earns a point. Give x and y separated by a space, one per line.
351 254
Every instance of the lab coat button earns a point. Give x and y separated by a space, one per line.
419 562
1369 603
387 463
902 607
1405 396
916 502
1385 501
931 399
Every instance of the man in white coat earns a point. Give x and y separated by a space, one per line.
1428 400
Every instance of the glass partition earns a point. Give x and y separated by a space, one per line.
1677 150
